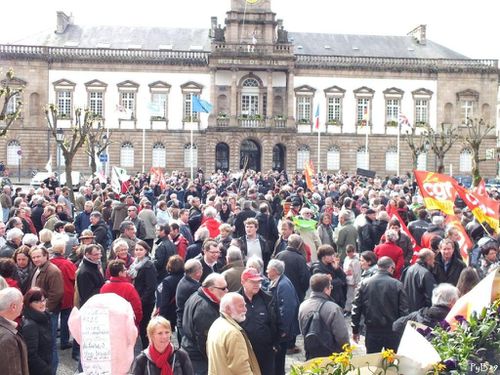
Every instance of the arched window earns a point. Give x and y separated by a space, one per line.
13 156
34 104
362 158
465 161
333 159
250 82
422 162
391 159
250 97
159 158
188 160
222 157
127 155
303 155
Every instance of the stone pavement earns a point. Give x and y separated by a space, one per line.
67 366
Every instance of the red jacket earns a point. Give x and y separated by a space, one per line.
68 270
393 251
212 225
124 288
181 245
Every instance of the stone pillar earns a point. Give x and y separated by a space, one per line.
233 121
213 99
269 120
290 98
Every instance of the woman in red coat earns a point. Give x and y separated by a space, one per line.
391 250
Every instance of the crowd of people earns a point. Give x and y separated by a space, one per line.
223 272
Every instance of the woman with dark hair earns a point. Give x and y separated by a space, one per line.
143 274
36 330
325 230
225 212
166 290
62 214
8 271
24 266
467 280
368 262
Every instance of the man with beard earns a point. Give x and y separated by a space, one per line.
228 347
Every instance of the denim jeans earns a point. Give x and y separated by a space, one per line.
64 331
54 317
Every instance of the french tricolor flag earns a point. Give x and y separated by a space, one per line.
316 115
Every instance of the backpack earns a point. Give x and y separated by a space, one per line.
318 340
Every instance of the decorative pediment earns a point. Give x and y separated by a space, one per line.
468 94
14 82
422 93
334 90
95 83
304 90
393 92
191 86
128 85
64 84
162 85
364 91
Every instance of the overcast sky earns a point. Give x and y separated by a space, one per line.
470 28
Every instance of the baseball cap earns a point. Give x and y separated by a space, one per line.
251 274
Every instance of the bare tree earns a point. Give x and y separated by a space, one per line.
477 130
71 141
10 110
417 143
441 141
98 140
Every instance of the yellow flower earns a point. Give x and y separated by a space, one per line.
343 360
317 363
348 348
439 368
389 355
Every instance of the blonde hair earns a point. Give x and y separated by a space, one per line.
155 322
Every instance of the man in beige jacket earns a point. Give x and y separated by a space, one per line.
228 349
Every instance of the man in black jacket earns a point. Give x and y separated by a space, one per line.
200 311
381 300
260 324
239 221
418 281
448 266
163 252
368 233
253 243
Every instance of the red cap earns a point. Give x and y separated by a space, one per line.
251 274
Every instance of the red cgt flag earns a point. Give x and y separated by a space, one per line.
465 244
309 172
405 230
482 207
438 191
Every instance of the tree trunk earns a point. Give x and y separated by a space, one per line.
93 164
440 166
69 177
476 175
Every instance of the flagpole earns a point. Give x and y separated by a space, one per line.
366 147
319 148
143 148
191 151
398 147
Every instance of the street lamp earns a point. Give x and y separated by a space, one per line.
104 160
59 138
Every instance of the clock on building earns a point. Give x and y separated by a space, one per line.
252 1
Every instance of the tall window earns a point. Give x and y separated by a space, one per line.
128 100
334 109
391 159
188 157
159 158
362 159
250 92
469 104
421 111
127 155
12 152
303 156
159 105
363 110
13 104
392 110
333 159
467 110
64 103
96 103
189 115
465 161
304 112
222 157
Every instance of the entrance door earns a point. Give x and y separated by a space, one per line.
279 157
250 155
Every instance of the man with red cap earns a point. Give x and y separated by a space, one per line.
260 324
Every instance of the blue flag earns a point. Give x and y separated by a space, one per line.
200 105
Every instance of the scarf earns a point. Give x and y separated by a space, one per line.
161 359
210 295
136 266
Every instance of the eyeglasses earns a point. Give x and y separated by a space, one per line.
220 288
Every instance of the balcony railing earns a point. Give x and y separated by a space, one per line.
252 49
251 123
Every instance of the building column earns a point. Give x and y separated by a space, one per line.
290 97
270 101
212 116
233 121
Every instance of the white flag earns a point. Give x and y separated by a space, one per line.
48 166
123 113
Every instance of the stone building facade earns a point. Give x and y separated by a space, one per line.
266 86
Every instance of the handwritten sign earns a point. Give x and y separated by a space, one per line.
96 345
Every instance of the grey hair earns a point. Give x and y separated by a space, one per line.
119 243
3 283
391 235
210 212
255 262
445 294
30 239
8 296
233 253
346 214
277 265
125 225
227 302
424 254
201 234
14 233
385 263
191 266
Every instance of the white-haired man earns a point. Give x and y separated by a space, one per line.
14 238
228 349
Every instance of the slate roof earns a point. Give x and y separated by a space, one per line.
180 39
